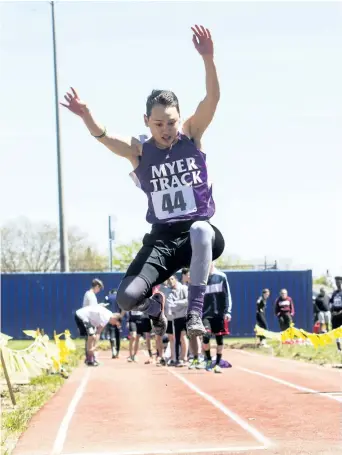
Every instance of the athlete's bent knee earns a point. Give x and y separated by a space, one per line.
129 293
219 340
206 339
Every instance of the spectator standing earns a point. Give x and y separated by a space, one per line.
284 310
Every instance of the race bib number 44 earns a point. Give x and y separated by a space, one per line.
173 202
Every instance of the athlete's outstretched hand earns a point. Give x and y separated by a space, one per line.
75 105
202 40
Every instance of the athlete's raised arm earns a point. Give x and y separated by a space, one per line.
129 147
196 125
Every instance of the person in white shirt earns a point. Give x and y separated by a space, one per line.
90 296
90 321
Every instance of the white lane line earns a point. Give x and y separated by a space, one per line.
290 384
64 426
266 443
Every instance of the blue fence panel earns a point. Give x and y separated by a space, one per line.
49 301
246 287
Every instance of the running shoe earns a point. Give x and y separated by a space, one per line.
217 369
194 324
161 362
193 364
204 365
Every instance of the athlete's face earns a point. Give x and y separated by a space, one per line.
186 277
97 289
172 282
163 124
266 294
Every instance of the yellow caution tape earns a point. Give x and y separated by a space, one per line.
41 355
292 333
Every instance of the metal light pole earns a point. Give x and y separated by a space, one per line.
63 235
111 236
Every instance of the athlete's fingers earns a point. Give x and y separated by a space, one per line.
68 97
203 30
208 33
198 29
65 105
74 92
196 32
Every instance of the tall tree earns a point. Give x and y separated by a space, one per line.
124 254
34 247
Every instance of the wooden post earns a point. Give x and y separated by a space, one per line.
9 385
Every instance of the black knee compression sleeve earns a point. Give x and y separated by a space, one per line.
219 340
206 338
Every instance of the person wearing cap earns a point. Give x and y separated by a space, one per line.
336 309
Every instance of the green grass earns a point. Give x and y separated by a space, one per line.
30 398
327 355
324 355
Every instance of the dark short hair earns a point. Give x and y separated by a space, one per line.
97 282
185 271
164 97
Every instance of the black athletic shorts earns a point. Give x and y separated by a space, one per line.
336 321
170 330
140 325
180 325
83 329
166 250
215 325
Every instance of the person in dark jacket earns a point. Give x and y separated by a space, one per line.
284 310
336 309
324 315
217 311
261 313
113 332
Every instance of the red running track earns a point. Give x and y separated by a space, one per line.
261 405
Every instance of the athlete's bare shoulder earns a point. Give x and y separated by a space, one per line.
196 141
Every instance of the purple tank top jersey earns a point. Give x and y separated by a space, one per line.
175 182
